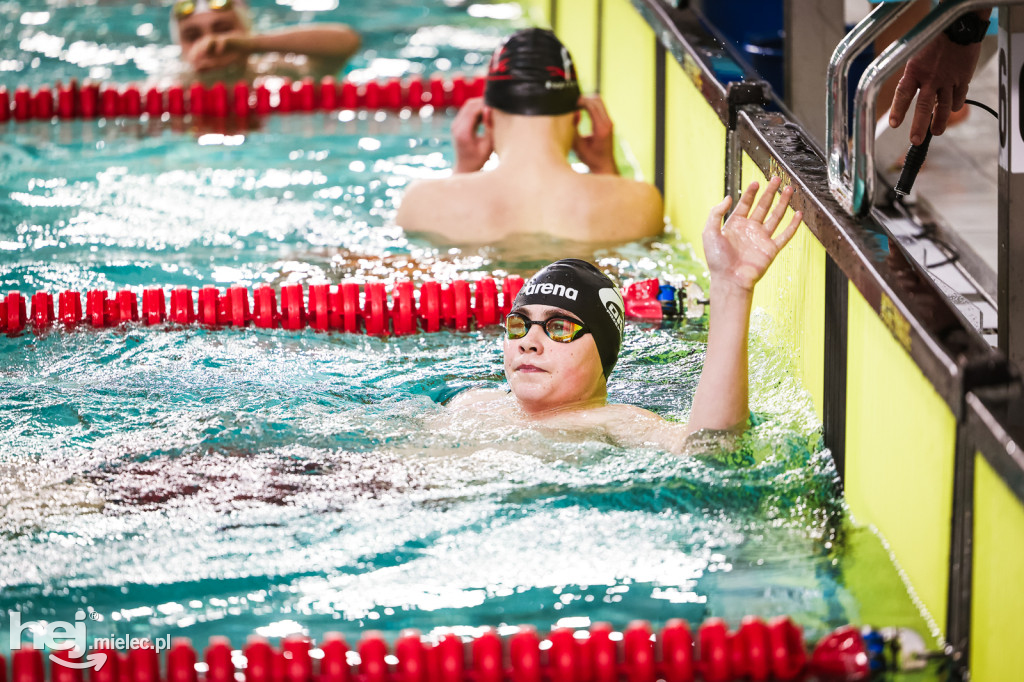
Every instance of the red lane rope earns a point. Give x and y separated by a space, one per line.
69 101
755 651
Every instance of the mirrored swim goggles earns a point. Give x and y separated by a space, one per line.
185 8
560 329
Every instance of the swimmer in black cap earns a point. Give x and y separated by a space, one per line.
529 116
564 333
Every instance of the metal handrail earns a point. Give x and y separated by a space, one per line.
836 127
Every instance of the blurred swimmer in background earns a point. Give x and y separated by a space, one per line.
529 117
218 44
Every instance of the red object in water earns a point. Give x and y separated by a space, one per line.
349 306
126 307
241 99
449 661
42 103
371 96
22 104
110 102
259 656
154 306
5 105
69 308
786 649
641 300
562 656
639 652
89 101
460 93
154 102
307 95
320 307
298 664
27 664
96 308
603 654
677 651
375 309
42 310
460 305
145 664
414 93
349 95
328 93
207 313
509 291
429 310
750 650
334 664
197 100
181 661
182 311
131 101
485 309
293 316
403 315
438 98
487 658
412 659
524 654
237 302
59 672
263 99
372 650
476 86
176 100
109 669
841 655
217 100
285 97
66 96
15 315
392 94
264 310
713 638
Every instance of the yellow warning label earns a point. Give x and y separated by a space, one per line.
894 320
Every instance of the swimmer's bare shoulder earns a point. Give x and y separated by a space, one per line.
438 206
619 209
478 396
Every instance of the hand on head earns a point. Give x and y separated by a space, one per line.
596 150
472 148
739 252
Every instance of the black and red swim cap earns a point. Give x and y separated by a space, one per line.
532 74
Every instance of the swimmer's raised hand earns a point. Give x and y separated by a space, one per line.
216 51
472 148
596 150
739 252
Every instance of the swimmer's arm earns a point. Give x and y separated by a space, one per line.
331 45
738 254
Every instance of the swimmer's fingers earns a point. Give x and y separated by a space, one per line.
717 214
602 122
775 219
783 237
765 204
746 200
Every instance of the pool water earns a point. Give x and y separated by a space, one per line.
197 482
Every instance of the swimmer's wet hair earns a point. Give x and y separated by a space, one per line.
532 74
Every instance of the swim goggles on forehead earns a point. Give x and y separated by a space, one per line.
561 329
185 8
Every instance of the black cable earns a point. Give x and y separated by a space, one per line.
986 107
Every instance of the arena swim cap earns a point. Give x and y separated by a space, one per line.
532 74
580 288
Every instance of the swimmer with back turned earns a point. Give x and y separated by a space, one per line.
529 116
564 333
217 44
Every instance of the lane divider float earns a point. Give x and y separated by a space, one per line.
241 100
756 651
350 307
